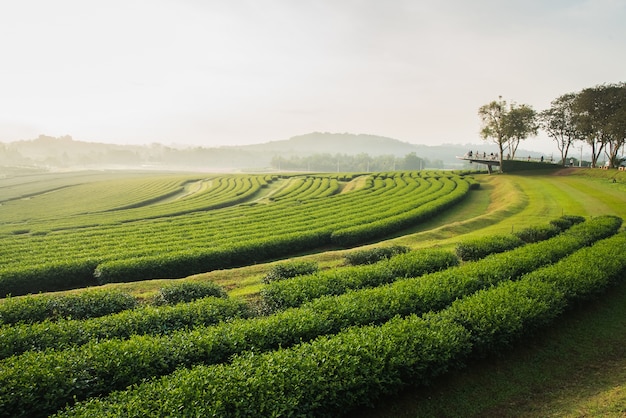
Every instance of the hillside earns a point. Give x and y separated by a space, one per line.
66 152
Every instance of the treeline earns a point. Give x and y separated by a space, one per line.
325 162
595 116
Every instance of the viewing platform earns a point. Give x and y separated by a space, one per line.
489 160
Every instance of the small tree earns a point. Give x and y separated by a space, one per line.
519 123
492 116
506 125
559 123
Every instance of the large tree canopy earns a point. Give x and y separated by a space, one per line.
559 123
600 116
507 125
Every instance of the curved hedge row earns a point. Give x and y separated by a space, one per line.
186 263
428 207
176 246
98 368
88 304
477 248
332 374
149 320
374 255
296 291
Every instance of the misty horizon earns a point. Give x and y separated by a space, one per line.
227 73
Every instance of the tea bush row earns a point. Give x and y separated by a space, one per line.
476 248
542 232
84 305
332 374
147 320
187 292
287 294
290 269
425 208
374 255
152 248
101 367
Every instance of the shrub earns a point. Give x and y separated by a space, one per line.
148 320
188 292
333 374
537 233
287 294
290 269
477 248
83 305
98 368
373 255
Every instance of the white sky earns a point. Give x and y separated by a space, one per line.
226 72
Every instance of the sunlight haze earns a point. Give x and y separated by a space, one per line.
221 72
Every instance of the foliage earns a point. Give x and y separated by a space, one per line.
477 248
559 123
97 368
373 255
171 240
600 118
288 294
289 269
147 320
84 305
333 374
507 125
187 292
537 233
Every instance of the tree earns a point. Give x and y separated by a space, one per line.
506 125
412 162
519 123
615 135
600 116
492 116
559 123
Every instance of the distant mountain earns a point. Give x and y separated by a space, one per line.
335 143
65 152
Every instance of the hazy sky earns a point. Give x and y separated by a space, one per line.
225 72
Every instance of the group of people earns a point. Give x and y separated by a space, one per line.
492 156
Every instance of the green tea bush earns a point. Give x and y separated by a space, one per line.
186 263
543 232
321 378
417 211
287 294
477 248
289 269
148 320
52 276
98 368
537 233
83 305
332 374
373 255
587 273
565 222
188 292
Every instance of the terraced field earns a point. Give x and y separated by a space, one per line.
67 237
326 342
